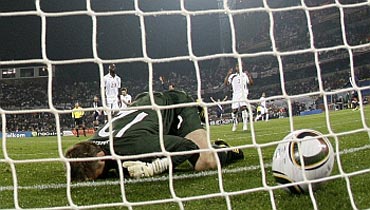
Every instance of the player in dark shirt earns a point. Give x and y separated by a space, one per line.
98 115
137 132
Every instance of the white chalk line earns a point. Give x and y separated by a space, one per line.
158 178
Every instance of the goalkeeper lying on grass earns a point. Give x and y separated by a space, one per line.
137 132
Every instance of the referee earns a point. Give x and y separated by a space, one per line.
78 115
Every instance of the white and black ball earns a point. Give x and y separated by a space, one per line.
317 155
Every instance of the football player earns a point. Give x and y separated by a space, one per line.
136 132
98 117
263 110
239 81
112 84
125 98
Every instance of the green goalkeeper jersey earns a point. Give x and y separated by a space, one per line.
137 132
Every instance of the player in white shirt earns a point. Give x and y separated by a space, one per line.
125 98
239 81
112 85
263 115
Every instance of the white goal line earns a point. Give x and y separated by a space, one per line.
159 178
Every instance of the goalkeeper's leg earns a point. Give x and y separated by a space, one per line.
206 160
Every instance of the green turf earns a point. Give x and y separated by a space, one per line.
41 180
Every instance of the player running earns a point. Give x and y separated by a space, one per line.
136 132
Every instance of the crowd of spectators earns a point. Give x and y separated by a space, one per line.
300 73
28 94
290 35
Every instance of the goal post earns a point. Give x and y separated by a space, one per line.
309 58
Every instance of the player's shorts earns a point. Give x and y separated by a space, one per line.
79 122
113 105
239 100
98 117
112 102
219 112
263 110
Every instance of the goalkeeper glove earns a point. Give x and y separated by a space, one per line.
138 169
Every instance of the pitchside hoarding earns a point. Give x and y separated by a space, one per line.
20 134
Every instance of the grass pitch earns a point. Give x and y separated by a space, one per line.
32 174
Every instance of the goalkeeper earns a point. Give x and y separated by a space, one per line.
136 132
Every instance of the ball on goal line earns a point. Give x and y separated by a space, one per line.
316 152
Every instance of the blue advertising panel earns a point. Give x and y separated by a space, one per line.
20 134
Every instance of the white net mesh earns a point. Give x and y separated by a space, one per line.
305 55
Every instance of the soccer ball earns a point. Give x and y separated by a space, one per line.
318 158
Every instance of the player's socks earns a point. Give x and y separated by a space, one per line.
245 120
235 122
77 133
227 157
257 117
235 126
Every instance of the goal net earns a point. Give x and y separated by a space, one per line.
309 58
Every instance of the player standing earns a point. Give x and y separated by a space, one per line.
112 85
125 98
98 114
78 115
239 81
